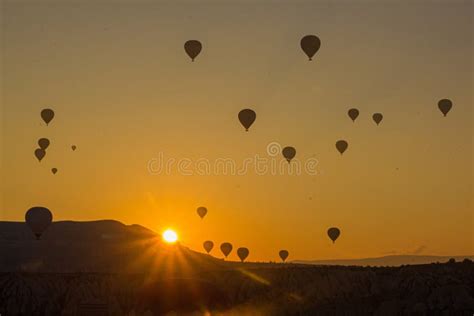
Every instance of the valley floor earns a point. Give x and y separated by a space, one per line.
273 289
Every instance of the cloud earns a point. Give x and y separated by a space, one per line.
418 250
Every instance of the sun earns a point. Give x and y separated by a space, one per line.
170 236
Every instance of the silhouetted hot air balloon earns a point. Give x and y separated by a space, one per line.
377 117
43 143
193 48
333 233
243 253
226 248
47 115
208 245
283 255
289 153
445 106
353 114
202 211
73 147
40 153
310 45
247 117
38 219
341 146
54 170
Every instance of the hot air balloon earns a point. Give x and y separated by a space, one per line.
310 45
243 253
47 115
341 146
202 211
43 143
208 245
283 255
226 248
193 48
38 219
289 153
445 106
54 170
377 117
40 153
247 117
73 147
333 233
353 114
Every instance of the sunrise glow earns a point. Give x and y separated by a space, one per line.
170 236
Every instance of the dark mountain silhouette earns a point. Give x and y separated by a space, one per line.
97 246
386 261
73 231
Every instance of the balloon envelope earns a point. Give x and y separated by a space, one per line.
310 44
47 115
333 233
283 255
73 147
193 48
377 117
247 117
43 143
54 170
243 253
208 245
341 146
38 219
445 106
353 114
40 153
226 248
289 153
202 211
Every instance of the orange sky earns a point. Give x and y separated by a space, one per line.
125 92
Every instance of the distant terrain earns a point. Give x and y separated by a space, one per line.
110 246
386 261
107 268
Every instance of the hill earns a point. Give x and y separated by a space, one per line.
98 246
386 261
